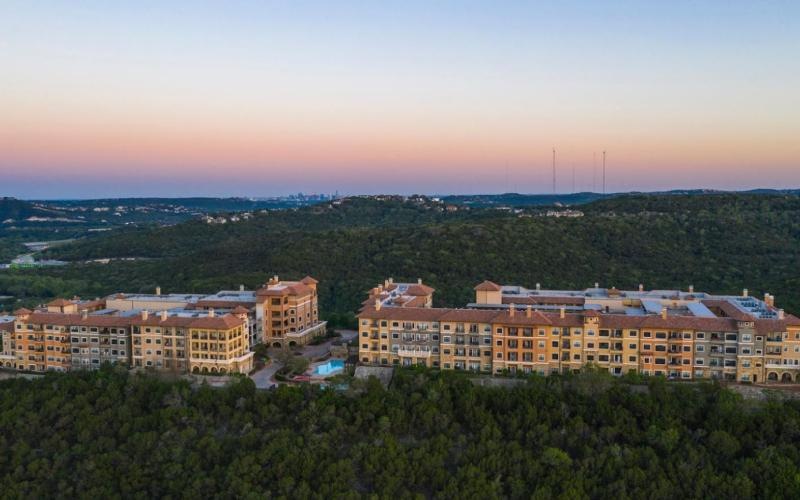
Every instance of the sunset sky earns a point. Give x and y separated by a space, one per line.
113 98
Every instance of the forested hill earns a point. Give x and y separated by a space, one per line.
13 209
719 243
109 434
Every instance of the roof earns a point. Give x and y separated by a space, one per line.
728 309
469 315
22 312
284 289
60 303
544 300
488 286
219 304
520 317
419 290
403 313
225 322
308 280
240 310
7 326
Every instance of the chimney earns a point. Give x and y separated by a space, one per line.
744 292
84 314
641 287
781 314
211 312
663 313
562 313
691 288
377 304
391 280
164 315
145 314
158 290
386 283
511 308
419 281
597 285
241 288
538 286
528 311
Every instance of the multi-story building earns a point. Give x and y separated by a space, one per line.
7 358
196 341
287 312
41 341
678 334
191 341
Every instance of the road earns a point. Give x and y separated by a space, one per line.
264 377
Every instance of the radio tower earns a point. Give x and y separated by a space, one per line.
594 172
604 172
554 170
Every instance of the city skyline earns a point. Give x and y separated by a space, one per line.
265 99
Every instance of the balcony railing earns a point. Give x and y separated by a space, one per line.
413 353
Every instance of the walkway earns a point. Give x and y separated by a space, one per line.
264 377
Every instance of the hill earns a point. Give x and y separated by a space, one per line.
719 243
13 210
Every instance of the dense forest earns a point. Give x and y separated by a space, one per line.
109 434
719 243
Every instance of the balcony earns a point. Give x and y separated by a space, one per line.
413 353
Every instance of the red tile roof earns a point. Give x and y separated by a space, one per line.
419 290
403 313
488 286
468 315
60 303
225 322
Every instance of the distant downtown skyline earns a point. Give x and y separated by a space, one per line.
180 98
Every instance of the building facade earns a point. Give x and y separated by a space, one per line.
287 312
678 334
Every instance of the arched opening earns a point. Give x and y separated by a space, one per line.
205 369
772 377
223 370
292 343
755 378
195 370
276 344
213 369
786 378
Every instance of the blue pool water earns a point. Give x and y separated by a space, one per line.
329 368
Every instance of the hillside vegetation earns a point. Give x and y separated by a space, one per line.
109 434
719 243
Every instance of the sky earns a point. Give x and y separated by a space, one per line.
263 98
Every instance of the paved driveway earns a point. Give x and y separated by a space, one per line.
263 377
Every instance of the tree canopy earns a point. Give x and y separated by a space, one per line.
110 434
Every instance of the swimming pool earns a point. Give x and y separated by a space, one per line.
329 368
